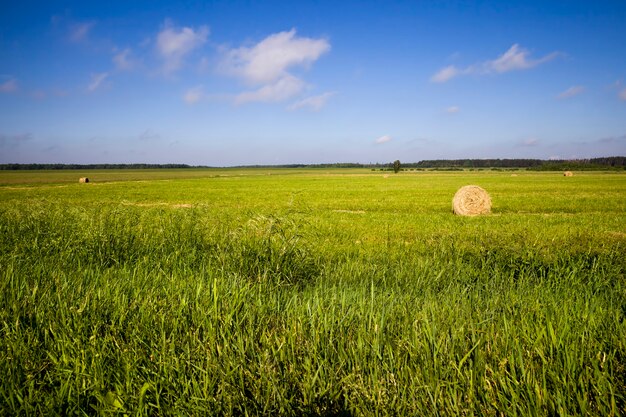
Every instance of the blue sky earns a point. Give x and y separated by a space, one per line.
265 82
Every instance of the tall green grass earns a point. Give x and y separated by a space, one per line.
294 310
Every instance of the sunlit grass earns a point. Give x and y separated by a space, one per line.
313 293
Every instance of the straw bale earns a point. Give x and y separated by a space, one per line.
471 200
83 180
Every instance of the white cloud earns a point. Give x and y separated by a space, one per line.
268 60
122 60
194 95
96 81
9 86
283 89
383 139
514 59
452 109
314 103
175 44
622 94
445 74
571 92
80 31
267 65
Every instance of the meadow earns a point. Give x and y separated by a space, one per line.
336 292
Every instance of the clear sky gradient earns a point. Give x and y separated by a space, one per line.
260 82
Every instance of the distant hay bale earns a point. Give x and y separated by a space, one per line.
471 200
514 175
386 176
568 174
83 180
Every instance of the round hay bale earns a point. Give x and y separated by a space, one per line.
568 174
514 175
471 200
386 176
83 180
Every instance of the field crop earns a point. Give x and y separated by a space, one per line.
311 292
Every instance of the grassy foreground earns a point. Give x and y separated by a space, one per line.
311 292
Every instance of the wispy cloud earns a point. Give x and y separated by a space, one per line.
529 142
96 81
445 74
571 92
9 86
315 103
383 139
281 90
267 64
173 44
80 31
515 58
123 60
198 93
618 86
194 95
453 109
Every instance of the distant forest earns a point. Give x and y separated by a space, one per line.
607 163
612 162
7 167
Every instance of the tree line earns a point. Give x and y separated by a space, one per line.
7 167
612 162
538 164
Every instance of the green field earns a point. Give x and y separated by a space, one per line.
311 292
